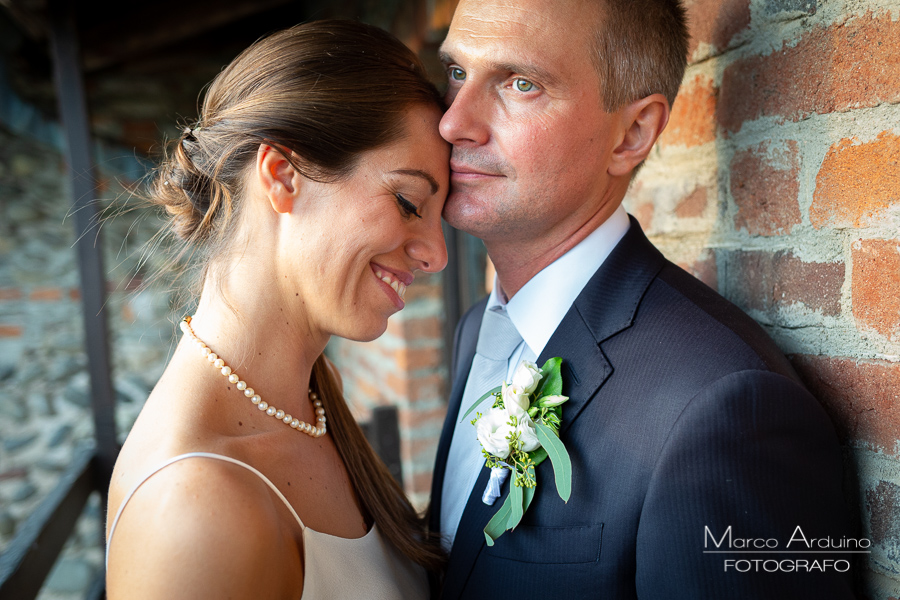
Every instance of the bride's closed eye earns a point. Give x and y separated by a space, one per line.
408 208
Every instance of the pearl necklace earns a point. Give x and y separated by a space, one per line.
315 431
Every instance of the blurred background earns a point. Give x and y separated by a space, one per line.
777 183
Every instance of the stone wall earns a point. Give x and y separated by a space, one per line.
44 396
778 183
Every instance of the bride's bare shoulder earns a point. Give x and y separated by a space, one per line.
201 528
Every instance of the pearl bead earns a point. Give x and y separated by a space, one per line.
317 430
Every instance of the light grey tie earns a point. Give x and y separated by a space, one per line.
497 339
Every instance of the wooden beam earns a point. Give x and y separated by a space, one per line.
74 114
154 27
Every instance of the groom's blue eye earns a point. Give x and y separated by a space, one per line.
457 74
409 209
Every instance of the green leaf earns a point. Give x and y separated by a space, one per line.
529 491
477 402
559 457
516 510
497 525
538 456
551 383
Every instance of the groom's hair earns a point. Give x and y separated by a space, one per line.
639 49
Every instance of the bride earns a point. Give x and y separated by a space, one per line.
311 191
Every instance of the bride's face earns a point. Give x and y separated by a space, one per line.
353 247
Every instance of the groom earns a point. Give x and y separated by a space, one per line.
692 441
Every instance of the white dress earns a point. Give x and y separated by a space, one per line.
334 567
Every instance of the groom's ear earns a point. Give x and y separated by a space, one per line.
278 178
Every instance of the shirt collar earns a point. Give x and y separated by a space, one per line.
539 307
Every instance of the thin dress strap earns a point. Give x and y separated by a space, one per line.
175 459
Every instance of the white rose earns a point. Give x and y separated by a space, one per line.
492 429
515 399
527 376
527 435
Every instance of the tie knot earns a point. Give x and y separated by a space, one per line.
497 337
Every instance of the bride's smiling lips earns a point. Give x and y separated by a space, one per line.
394 282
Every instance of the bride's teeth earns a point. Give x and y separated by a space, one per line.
396 286
378 274
402 291
386 279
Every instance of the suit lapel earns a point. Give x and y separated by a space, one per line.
606 306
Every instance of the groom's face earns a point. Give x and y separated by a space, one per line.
530 137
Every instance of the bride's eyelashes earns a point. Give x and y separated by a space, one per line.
408 208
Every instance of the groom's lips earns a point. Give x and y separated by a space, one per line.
460 172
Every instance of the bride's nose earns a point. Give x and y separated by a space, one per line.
427 247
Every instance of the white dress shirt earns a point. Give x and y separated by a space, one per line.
536 310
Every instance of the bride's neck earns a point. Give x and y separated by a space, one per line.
244 318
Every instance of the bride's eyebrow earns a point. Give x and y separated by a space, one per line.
421 174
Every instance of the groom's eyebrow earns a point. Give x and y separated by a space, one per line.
422 174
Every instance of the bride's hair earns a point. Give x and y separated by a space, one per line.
326 91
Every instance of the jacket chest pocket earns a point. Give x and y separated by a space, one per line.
549 545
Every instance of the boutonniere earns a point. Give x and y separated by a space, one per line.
518 432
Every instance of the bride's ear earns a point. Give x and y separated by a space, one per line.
278 178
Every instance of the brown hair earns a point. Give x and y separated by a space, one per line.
639 49
328 91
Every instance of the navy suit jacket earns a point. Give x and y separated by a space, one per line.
684 419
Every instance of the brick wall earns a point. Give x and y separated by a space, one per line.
404 368
777 182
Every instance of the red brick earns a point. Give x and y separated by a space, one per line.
705 268
883 508
716 22
644 215
46 294
861 396
421 483
74 294
10 294
415 388
413 419
766 281
857 182
415 329
693 205
414 359
10 330
765 186
693 118
876 285
848 65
